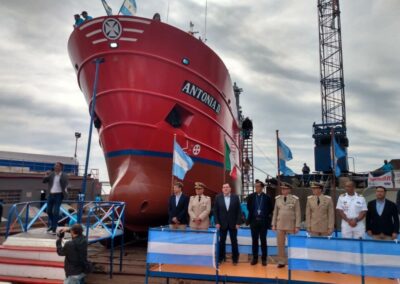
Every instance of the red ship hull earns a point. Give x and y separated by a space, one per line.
156 82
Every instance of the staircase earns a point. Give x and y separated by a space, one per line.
31 258
247 168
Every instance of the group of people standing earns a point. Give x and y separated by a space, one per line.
79 21
380 218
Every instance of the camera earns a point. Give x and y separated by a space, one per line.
61 234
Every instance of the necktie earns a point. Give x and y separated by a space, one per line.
318 200
284 199
199 198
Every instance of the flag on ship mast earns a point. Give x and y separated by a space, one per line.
128 8
284 155
337 153
230 164
182 162
107 7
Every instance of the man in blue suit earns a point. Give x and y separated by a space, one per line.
228 217
178 208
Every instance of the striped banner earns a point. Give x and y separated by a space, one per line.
381 258
350 256
182 247
245 242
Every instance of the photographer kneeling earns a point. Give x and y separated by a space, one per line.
75 252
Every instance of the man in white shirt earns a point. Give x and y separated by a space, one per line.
352 208
57 185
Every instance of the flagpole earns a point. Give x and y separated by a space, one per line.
333 183
224 176
277 156
172 170
205 22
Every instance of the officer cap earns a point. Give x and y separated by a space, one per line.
317 184
199 185
285 185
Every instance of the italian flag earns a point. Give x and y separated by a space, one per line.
230 162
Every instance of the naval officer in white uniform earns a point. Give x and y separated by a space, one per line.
352 207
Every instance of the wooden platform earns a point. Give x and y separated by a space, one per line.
246 273
39 237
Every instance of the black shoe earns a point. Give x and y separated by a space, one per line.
235 262
264 262
49 229
281 265
254 261
53 232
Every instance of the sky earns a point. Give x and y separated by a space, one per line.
269 46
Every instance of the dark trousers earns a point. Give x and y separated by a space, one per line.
259 232
222 243
53 209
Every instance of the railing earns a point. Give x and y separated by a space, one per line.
101 220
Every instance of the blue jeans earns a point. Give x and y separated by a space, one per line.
53 209
75 279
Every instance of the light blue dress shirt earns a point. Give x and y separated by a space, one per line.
379 206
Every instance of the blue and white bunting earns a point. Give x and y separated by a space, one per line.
182 248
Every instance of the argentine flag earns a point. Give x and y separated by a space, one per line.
337 154
284 155
107 8
182 163
128 8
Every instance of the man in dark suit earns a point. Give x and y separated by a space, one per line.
228 217
260 209
178 208
57 182
382 217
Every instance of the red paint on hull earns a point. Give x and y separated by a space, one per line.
140 83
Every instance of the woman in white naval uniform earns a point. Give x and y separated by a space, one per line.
352 208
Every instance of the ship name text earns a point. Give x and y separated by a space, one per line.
201 95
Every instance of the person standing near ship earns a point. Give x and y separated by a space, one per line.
382 217
157 17
320 212
199 208
57 182
86 17
178 208
352 208
78 20
75 252
259 206
286 219
228 217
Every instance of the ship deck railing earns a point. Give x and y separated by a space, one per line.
194 254
103 221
